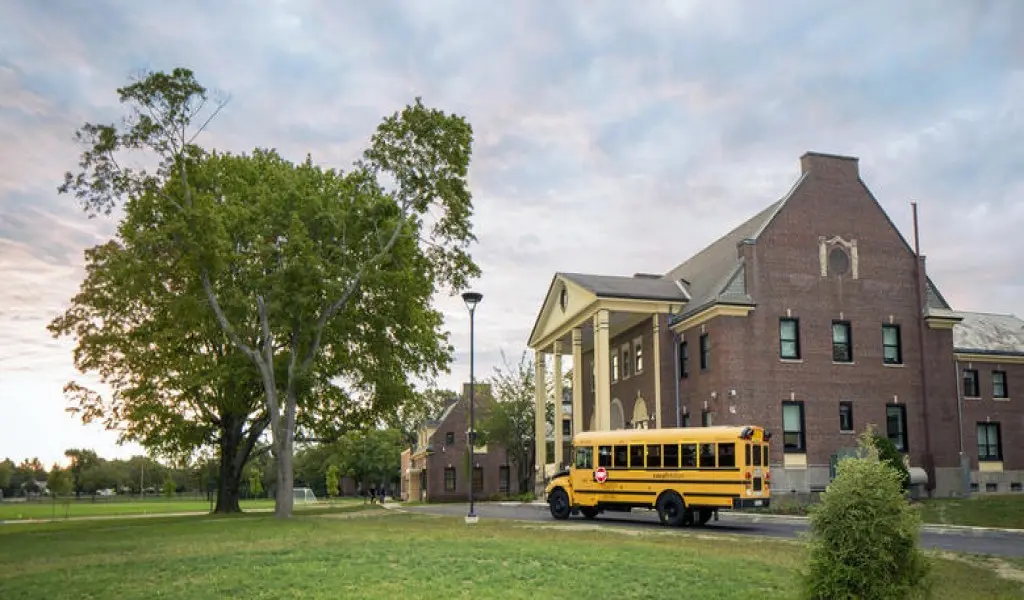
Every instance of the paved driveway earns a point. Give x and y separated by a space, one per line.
956 539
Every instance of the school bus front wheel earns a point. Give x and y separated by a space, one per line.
558 504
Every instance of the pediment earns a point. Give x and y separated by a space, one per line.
564 301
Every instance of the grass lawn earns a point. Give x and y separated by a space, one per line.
370 552
1002 510
87 508
980 511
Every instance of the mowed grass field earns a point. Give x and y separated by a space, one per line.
359 551
156 506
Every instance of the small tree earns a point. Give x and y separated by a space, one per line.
864 534
332 481
59 484
169 487
255 481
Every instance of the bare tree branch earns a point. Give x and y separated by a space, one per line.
216 111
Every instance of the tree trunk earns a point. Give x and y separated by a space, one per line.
285 478
230 476
523 464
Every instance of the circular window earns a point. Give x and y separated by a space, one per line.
838 261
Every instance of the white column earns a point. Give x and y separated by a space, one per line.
540 398
577 380
602 361
557 375
656 359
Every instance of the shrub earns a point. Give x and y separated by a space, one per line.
888 453
864 534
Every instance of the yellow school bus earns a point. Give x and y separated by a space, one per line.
685 473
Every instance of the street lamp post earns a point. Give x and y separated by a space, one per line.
471 299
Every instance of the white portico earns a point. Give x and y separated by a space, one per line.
582 314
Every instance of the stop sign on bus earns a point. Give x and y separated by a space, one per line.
601 475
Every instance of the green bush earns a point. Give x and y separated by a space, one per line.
864 534
888 453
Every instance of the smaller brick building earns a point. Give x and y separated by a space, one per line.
436 469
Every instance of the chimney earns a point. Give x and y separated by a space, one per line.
829 165
483 390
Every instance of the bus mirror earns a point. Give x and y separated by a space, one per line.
767 435
747 433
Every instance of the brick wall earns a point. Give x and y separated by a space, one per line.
986 408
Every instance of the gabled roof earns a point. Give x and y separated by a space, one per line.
716 274
988 333
638 287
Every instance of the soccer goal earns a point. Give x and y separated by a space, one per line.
304 495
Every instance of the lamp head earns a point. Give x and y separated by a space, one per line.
472 299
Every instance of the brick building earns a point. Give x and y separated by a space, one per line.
813 318
436 468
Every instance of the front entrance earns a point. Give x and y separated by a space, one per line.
640 418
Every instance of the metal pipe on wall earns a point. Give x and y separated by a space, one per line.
675 368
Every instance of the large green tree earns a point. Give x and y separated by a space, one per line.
307 270
177 383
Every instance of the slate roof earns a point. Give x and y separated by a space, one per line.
638 287
988 333
715 275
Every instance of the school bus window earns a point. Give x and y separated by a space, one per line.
689 455
620 456
727 455
765 455
757 455
670 453
604 456
584 457
636 456
707 456
653 456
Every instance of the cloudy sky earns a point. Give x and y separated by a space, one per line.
611 137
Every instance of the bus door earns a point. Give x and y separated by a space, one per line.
755 468
756 454
582 475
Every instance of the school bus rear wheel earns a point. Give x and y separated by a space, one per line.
671 509
588 511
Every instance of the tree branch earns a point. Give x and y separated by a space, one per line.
202 127
252 436
223 320
326 315
267 367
